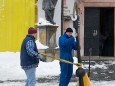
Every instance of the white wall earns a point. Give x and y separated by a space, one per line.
57 15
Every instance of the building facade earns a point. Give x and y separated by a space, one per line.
97 27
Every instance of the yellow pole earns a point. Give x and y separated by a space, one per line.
62 60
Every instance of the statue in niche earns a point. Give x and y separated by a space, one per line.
49 7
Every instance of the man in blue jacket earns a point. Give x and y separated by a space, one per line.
29 56
66 44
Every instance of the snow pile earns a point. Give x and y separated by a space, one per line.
48 69
10 70
10 67
43 22
40 46
52 68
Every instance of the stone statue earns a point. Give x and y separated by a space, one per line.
49 6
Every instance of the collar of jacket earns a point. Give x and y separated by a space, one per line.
31 36
66 35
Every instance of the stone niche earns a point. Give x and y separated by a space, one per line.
47 34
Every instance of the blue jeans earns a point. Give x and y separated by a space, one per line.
31 77
66 74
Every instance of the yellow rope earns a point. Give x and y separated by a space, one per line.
79 65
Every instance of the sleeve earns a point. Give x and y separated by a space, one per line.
30 49
66 42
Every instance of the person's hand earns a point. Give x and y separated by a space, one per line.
76 34
42 58
72 38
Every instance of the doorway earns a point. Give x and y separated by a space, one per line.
99 31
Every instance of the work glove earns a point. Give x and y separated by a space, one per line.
42 58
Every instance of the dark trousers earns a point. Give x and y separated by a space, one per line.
66 74
49 14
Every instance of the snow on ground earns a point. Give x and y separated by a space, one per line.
103 83
98 66
10 70
93 83
10 67
37 84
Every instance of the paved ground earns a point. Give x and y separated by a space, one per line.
93 83
37 84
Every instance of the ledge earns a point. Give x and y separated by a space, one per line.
97 58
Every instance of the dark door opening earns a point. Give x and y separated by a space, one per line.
106 32
99 31
91 29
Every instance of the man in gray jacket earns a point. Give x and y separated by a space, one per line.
49 6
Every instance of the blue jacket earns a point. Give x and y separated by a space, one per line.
29 53
66 44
